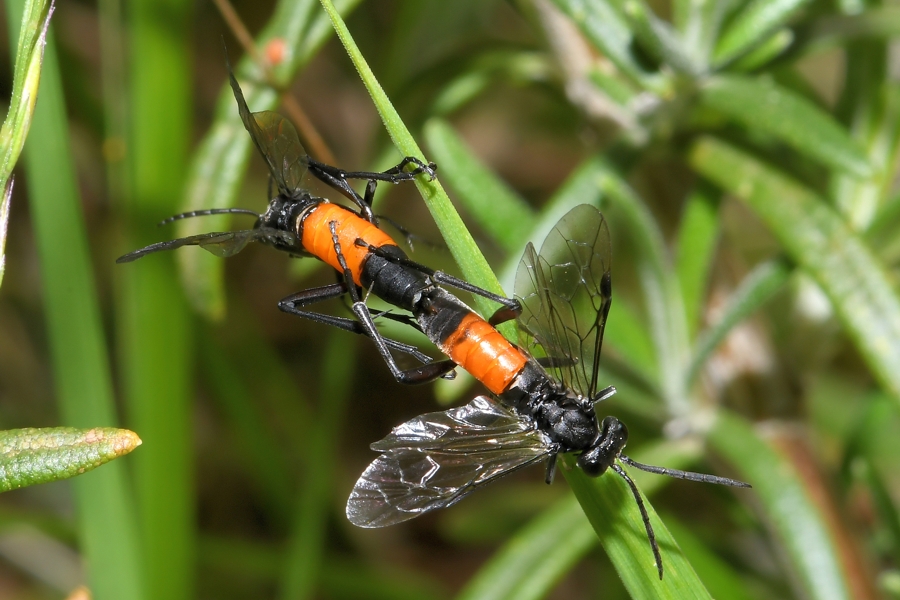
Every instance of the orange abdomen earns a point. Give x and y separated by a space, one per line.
483 351
349 227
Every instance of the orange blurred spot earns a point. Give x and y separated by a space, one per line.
276 51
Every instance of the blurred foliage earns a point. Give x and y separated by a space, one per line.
744 154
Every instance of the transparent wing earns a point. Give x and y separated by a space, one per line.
566 293
277 141
436 459
220 243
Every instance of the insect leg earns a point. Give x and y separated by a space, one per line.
423 374
644 516
509 304
293 305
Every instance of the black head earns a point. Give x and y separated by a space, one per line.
609 444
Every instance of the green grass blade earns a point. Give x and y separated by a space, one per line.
217 169
496 207
698 234
532 561
156 333
610 507
661 292
306 547
765 107
107 523
815 237
32 456
465 251
755 290
29 53
537 557
660 38
787 507
751 27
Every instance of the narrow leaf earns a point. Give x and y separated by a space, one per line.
755 290
786 505
752 26
464 249
765 107
816 238
31 456
698 233
4 224
496 207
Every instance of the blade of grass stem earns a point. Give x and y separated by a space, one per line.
463 248
698 233
156 337
496 207
818 240
751 26
106 519
308 538
786 505
754 291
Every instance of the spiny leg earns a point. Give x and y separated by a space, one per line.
293 303
422 374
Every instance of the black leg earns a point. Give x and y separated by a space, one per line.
423 374
644 516
337 178
293 305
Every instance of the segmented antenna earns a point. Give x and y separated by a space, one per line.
689 475
208 212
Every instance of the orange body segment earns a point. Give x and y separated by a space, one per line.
317 238
483 351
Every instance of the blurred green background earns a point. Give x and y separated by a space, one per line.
744 154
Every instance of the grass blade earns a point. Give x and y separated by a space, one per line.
698 235
464 249
496 207
751 27
817 239
755 290
107 524
787 506
765 107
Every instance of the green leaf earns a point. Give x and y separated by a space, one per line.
609 505
755 290
763 106
661 292
659 38
464 249
31 456
816 238
752 26
496 207
76 338
530 564
787 505
610 33
698 234
29 53
308 539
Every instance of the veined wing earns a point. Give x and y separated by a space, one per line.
220 243
276 139
566 293
436 459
